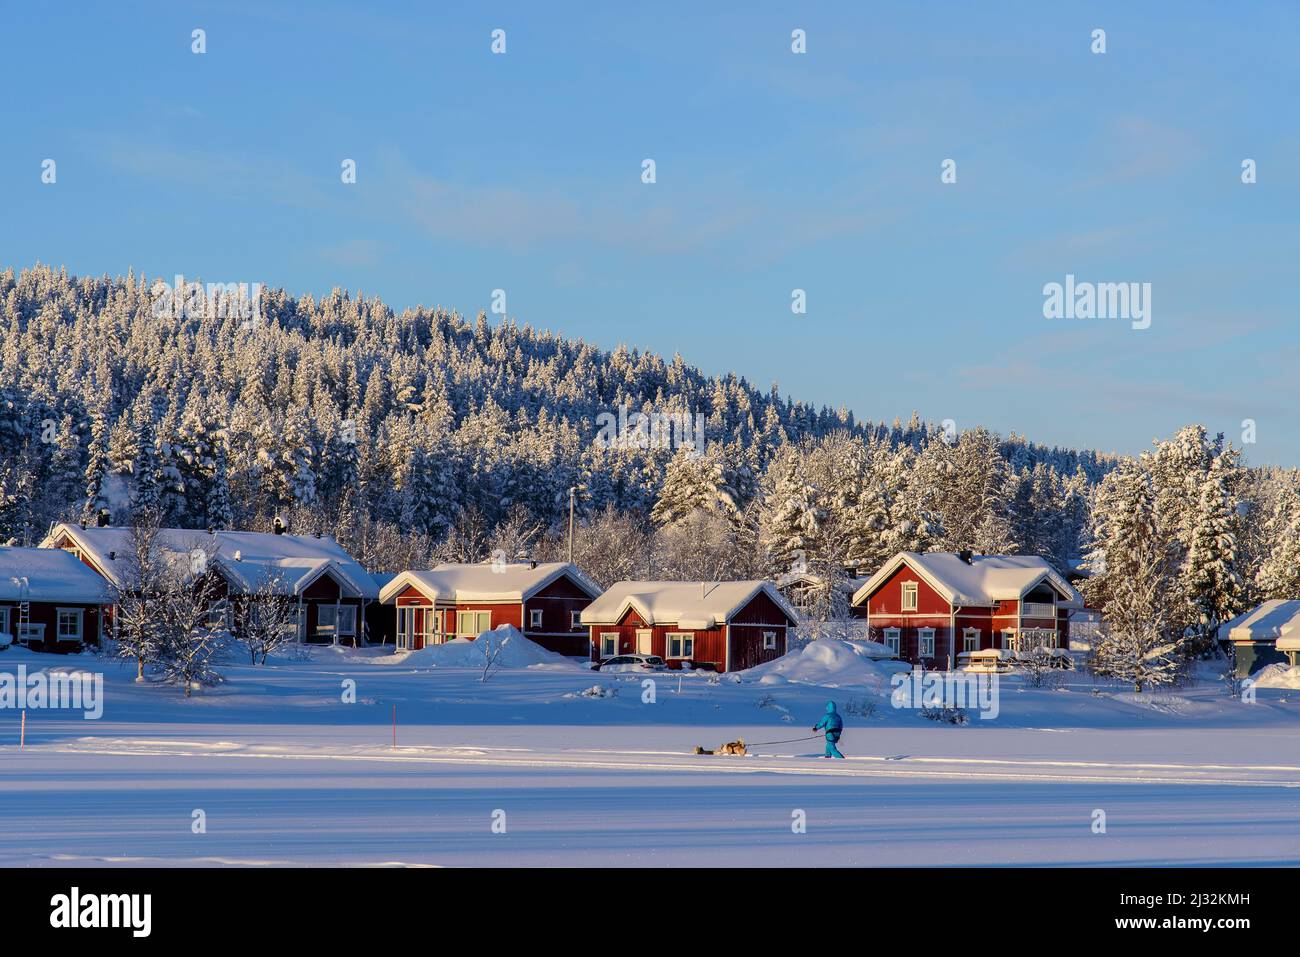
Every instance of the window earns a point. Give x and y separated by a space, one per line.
337 620
219 615
4 621
608 644
970 639
892 639
769 641
534 618
1008 641
1033 638
69 624
31 632
926 636
575 621
680 644
471 624
909 596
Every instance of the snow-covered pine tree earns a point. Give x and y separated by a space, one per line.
693 482
218 512
914 525
66 475
790 517
97 469
1279 573
1132 583
1212 579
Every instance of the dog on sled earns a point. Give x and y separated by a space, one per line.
731 747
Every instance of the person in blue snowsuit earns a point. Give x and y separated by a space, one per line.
832 724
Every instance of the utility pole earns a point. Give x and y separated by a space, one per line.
572 491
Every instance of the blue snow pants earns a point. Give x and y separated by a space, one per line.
831 750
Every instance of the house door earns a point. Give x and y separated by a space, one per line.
403 637
645 642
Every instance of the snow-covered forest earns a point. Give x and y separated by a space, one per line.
421 435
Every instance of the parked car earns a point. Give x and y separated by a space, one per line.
634 663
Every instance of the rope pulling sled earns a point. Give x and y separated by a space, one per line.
739 747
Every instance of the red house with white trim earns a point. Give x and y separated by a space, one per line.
932 607
49 601
450 601
328 588
723 626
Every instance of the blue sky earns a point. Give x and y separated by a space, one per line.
775 171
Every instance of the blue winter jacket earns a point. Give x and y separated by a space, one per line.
831 722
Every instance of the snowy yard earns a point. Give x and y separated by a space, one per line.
586 773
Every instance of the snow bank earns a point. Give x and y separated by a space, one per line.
1278 676
828 662
512 649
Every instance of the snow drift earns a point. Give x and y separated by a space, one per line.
1278 676
512 650
829 662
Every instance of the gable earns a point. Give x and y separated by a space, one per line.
761 610
562 587
887 597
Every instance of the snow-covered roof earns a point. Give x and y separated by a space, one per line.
1275 620
247 559
982 581
46 574
486 581
692 605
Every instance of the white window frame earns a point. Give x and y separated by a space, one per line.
969 635
406 633
219 615
575 620
80 614
607 651
686 649
1008 639
894 640
535 618
1039 638
32 631
924 635
912 590
769 641
6 614
478 616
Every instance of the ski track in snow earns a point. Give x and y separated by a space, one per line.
1092 772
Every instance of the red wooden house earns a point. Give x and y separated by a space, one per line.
329 589
725 626
49 601
450 601
930 608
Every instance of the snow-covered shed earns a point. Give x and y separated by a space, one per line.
543 600
50 601
727 626
930 607
1265 635
329 587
